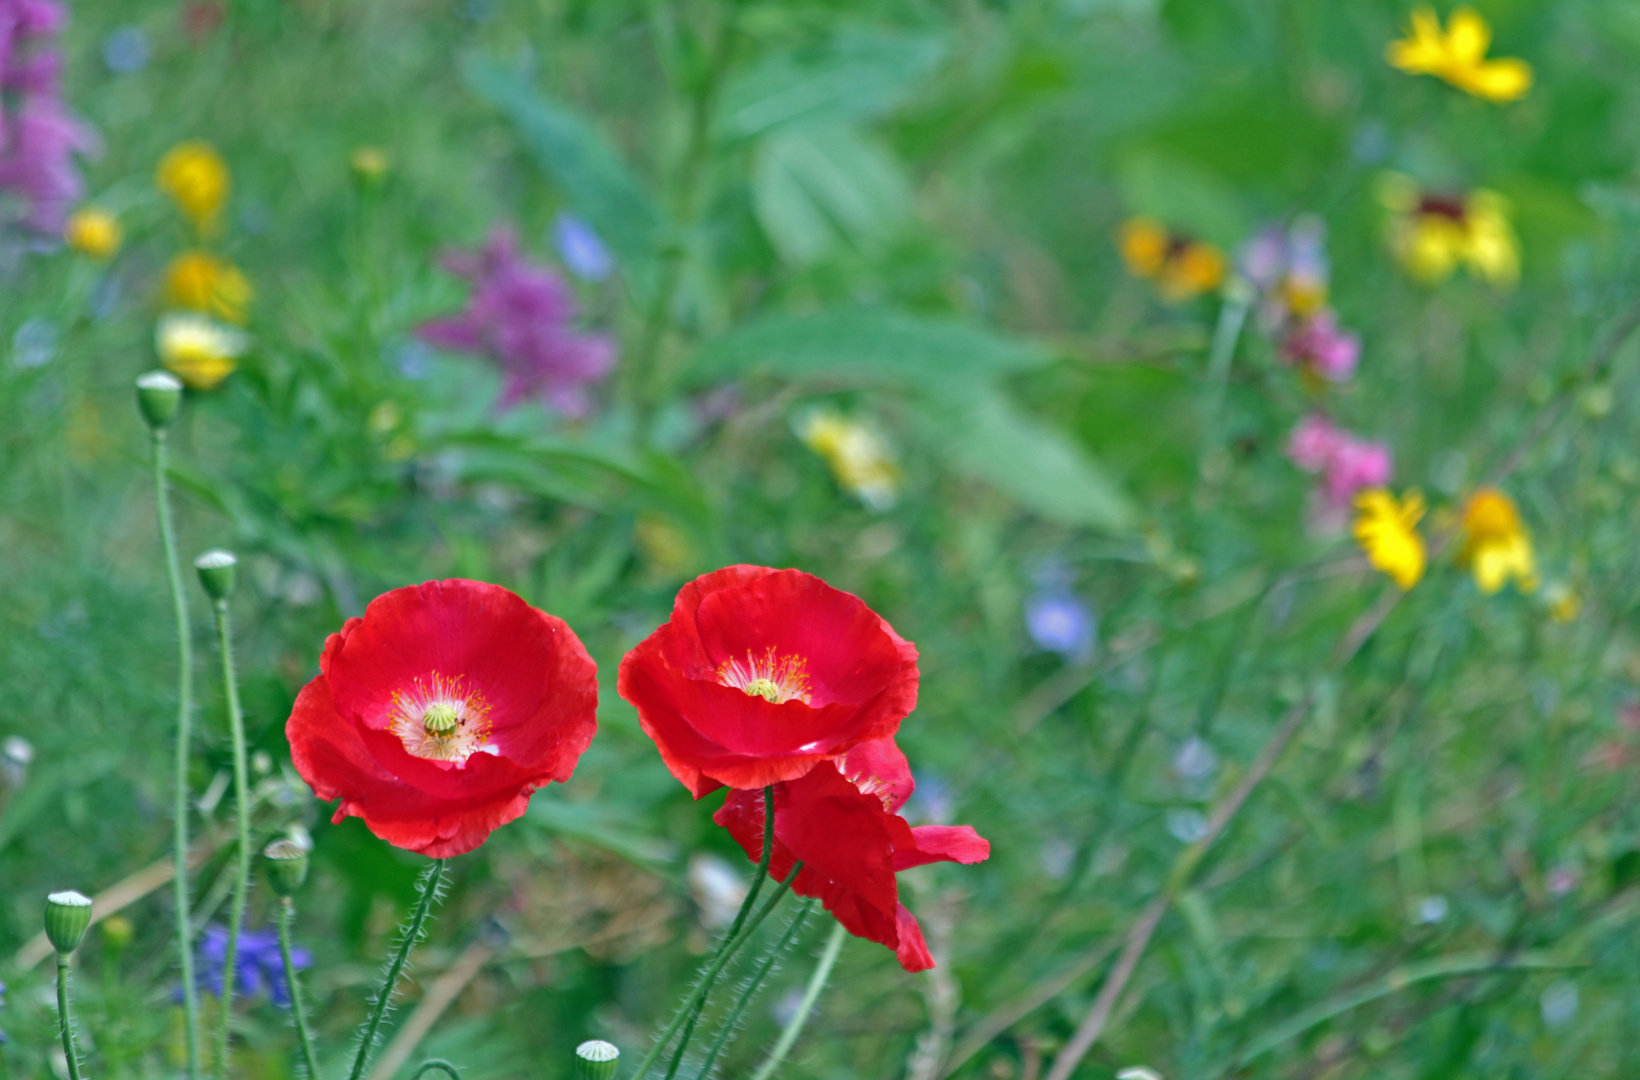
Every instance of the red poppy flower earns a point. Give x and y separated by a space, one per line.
761 674
437 714
842 820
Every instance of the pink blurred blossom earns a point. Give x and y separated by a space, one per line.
1347 464
521 316
39 138
1320 345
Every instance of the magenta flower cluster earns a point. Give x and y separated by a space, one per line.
39 137
521 316
1345 462
1288 267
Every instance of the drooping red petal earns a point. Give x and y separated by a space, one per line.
942 843
912 951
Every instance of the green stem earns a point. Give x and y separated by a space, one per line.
287 913
1225 335
811 994
66 1016
180 893
428 886
725 951
732 1024
645 360
242 818
734 929
435 1063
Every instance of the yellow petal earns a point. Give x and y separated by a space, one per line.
1425 51
1499 80
1467 36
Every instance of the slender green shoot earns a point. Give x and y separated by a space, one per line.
731 1024
811 994
298 1008
242 812
429 885
65 1014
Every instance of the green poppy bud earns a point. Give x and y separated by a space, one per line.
596 1060
159 395
286 862
68 915
216 572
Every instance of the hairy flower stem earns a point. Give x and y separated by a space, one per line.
644 365
811 994
180 893
732 1023
435 1063
65 1015
428 886
729 939
242 819
287 915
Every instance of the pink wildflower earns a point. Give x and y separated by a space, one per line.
1347 464
520 315
39 138
1318 345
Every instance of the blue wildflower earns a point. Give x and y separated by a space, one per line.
258 963
581 249
1060 623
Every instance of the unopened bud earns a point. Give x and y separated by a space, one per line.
287 866
159 395
596 1060
216 572
68 914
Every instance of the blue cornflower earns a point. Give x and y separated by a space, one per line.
1058 622
258 963
581 249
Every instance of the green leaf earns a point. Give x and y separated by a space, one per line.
577 157
846 349
984 435
857 76
817 188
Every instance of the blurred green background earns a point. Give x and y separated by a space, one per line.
904 212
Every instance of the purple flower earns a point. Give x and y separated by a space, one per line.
520 315
1059 622
1318 344
258 963
39 138
581 249
1346 463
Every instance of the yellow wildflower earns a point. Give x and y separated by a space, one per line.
1459 56
859 459
1180 266
1432 235
370 164
198 350
194 175
1563 602
1387 530
1496 545
94 232
202 282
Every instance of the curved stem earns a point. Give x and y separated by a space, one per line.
734 930
66 1015
811 994
429 886
435 1063
732 1023
180 893
242 818
725 951
287 914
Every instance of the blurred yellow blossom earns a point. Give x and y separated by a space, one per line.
859 459
198 350
1387 530
1432 235
1179 266
1563 602
194 175
1496 546
370 164
663 544
201 281
1458 55
94 232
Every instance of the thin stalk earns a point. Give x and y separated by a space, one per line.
429 886
180 893
811 994
732 1023
242 820
287 914
725 951
734 928
1223 349
645 361
435 1063
66 1015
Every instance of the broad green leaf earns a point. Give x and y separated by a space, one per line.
817 187
857 76
577 157
843 349
981 433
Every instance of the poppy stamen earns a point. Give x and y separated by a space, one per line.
442 720
776 679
